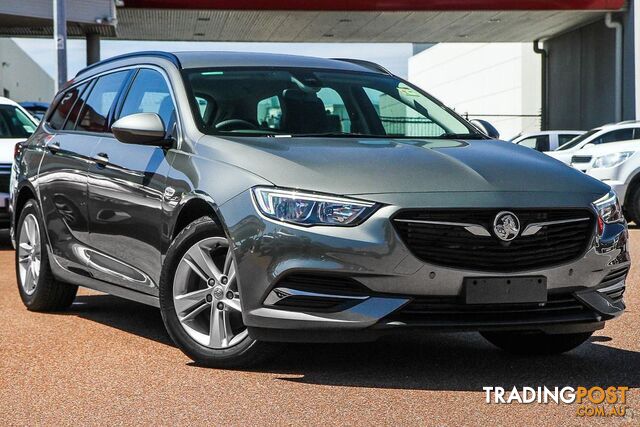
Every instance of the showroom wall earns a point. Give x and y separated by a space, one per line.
498 82
581 69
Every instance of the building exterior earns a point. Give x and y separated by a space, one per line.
21 78
497 82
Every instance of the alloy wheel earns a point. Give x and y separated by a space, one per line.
206 296
29 254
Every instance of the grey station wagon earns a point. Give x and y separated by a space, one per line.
261 198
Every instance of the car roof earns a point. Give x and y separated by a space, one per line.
226 59
621 125
7 101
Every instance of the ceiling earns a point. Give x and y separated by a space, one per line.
347 26
417 21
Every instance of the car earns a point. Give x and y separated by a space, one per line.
265 198
618 165
546 140
623 131
16 125
36 109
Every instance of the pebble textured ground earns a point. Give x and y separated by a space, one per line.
109 361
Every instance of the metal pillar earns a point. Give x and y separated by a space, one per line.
93 48
60 34
617 26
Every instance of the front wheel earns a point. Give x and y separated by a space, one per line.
536 343
200 300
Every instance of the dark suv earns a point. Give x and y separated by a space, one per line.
257 198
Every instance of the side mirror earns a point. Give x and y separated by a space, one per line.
486 127
140 128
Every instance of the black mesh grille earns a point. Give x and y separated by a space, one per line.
5 176
581 159
454 246
326 285
450 311
323 284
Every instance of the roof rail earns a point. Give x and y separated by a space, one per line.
157 53
367 64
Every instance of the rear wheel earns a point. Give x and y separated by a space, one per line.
38 288
200 300
536 343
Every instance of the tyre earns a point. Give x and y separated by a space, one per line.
201 303
632 206
39 290
535 343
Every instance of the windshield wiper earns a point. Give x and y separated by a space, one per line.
461 136
329 134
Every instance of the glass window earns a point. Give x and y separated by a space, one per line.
14 123
269 112
73 115
615 135
564 138
149 93
578 140
95 114
398 118
531 142
60 113
301 102
336 110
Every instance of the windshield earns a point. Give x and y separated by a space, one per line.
577 140
302 102
14 123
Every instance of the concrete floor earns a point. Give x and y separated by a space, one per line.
109 361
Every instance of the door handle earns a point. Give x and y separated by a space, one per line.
101 159
53 147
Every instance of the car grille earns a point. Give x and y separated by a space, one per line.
581 159
454 246
451 312
5 176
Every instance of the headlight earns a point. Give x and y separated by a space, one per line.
611 160
310 209
609 210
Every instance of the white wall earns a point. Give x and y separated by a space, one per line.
22 76
484 78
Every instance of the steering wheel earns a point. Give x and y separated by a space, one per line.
235 124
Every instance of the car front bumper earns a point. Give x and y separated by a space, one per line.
392 289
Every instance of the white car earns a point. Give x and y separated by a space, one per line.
616 164
546 140
623 131
16 125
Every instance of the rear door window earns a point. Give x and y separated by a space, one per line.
564 138
95 113
66 103
615 135
540 142
72 117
